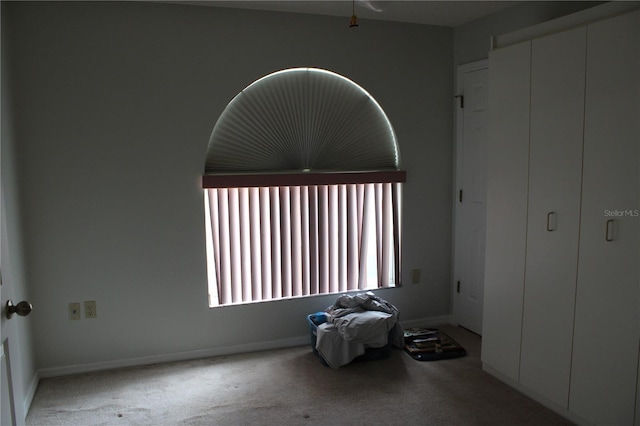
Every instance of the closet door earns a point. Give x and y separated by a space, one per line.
507 177
607 321
637 423
555 176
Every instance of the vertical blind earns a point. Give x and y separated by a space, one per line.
275 242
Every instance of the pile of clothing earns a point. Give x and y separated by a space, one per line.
354 325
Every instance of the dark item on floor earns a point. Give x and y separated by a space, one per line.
425 344
371 354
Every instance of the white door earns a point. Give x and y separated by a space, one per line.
470 211
507 189
555 178
12 411
637 422
7 411
607 318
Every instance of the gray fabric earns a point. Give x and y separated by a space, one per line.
367 301
355 323
334 349
370 328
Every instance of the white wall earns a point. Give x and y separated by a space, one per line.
115 103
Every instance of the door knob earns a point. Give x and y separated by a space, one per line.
22 309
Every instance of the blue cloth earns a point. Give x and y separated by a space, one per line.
319 318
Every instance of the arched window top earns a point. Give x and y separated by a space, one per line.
302 119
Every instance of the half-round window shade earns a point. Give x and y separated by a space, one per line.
302 119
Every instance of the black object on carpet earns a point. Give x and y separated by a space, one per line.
426 344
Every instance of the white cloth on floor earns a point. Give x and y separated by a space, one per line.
370 328
367 301
356 323
336 351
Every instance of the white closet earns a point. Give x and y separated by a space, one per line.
507 182
555 174
562 282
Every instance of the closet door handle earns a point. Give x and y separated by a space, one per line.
608 230
551 225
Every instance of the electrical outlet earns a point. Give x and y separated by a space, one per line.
415 276
90 309
74 311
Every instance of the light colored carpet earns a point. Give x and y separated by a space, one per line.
291 387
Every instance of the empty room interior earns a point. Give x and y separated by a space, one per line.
493 147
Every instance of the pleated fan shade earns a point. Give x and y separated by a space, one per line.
302 119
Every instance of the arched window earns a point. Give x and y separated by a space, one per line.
303 191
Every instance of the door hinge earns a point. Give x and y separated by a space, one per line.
460 195
458 287
461 100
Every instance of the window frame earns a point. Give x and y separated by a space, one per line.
251 180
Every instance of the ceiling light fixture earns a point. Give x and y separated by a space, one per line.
353 22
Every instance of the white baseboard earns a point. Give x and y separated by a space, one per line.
207 353
31 391
171 357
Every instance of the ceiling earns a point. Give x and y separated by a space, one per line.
449 13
